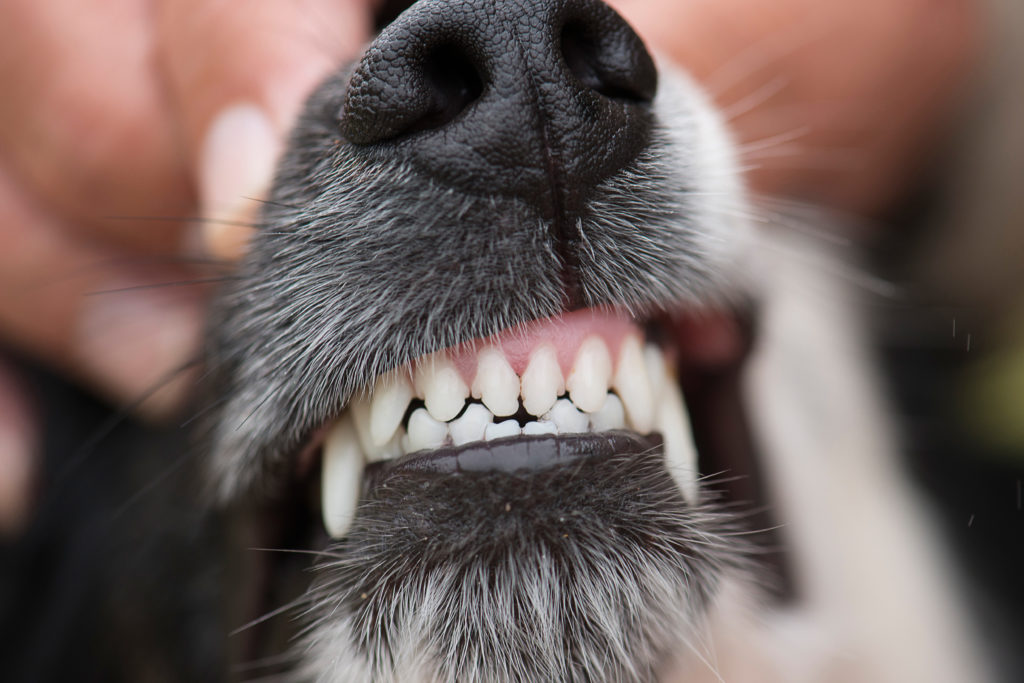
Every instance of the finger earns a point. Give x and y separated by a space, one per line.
84 124
94 312
864 88
18 457
239 73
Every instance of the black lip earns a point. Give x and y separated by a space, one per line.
516 454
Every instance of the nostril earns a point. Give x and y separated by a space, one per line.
597 66
397 90
453 84
537 99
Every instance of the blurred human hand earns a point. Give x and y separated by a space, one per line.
837 103
119 122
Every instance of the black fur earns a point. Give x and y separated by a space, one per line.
593 570
372 255
365 264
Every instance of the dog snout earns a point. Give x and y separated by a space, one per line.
540 99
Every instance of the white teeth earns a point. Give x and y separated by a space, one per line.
441 386
542 381
633 386
566 418
673 424
644 396
588 381
654 359
501 430
535 428
471 425
360 407
611 415
425 432
389 451
496 383
341 477
391 397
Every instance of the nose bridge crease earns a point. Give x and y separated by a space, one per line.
521 110
562 225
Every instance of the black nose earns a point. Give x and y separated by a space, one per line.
539 99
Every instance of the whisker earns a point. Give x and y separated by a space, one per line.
712 668
163 285
289 551
864 281
83 452
106 265
319 31
264 662
160 478
252 412
272 678
755 99
206 409
763 54
271 202
773 140
157 260
806 158
183 219
805 217
269 615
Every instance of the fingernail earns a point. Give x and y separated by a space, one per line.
18 460
134 344
16 477
235 169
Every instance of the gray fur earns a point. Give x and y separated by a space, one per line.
364 264
591 573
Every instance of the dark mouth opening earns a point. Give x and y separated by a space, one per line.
512 455
727 468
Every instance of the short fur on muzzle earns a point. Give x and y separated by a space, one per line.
369 256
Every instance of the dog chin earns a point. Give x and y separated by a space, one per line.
527 505
525 439
592 567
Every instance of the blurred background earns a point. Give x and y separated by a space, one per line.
134 135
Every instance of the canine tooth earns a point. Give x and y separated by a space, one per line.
341 477
538 427
673 423
441 386
566 418
611 415
389 451
391 396
496 383
633 386
471 425
425 432
360 410
657 371
542 381
588 381
499 430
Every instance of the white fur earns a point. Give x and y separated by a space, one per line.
877 600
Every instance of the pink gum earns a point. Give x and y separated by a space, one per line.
565 333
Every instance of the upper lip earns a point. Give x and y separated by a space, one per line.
594 362
712 390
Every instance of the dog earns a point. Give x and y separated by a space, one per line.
471 333
509 388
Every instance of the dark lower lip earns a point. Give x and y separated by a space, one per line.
521 454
